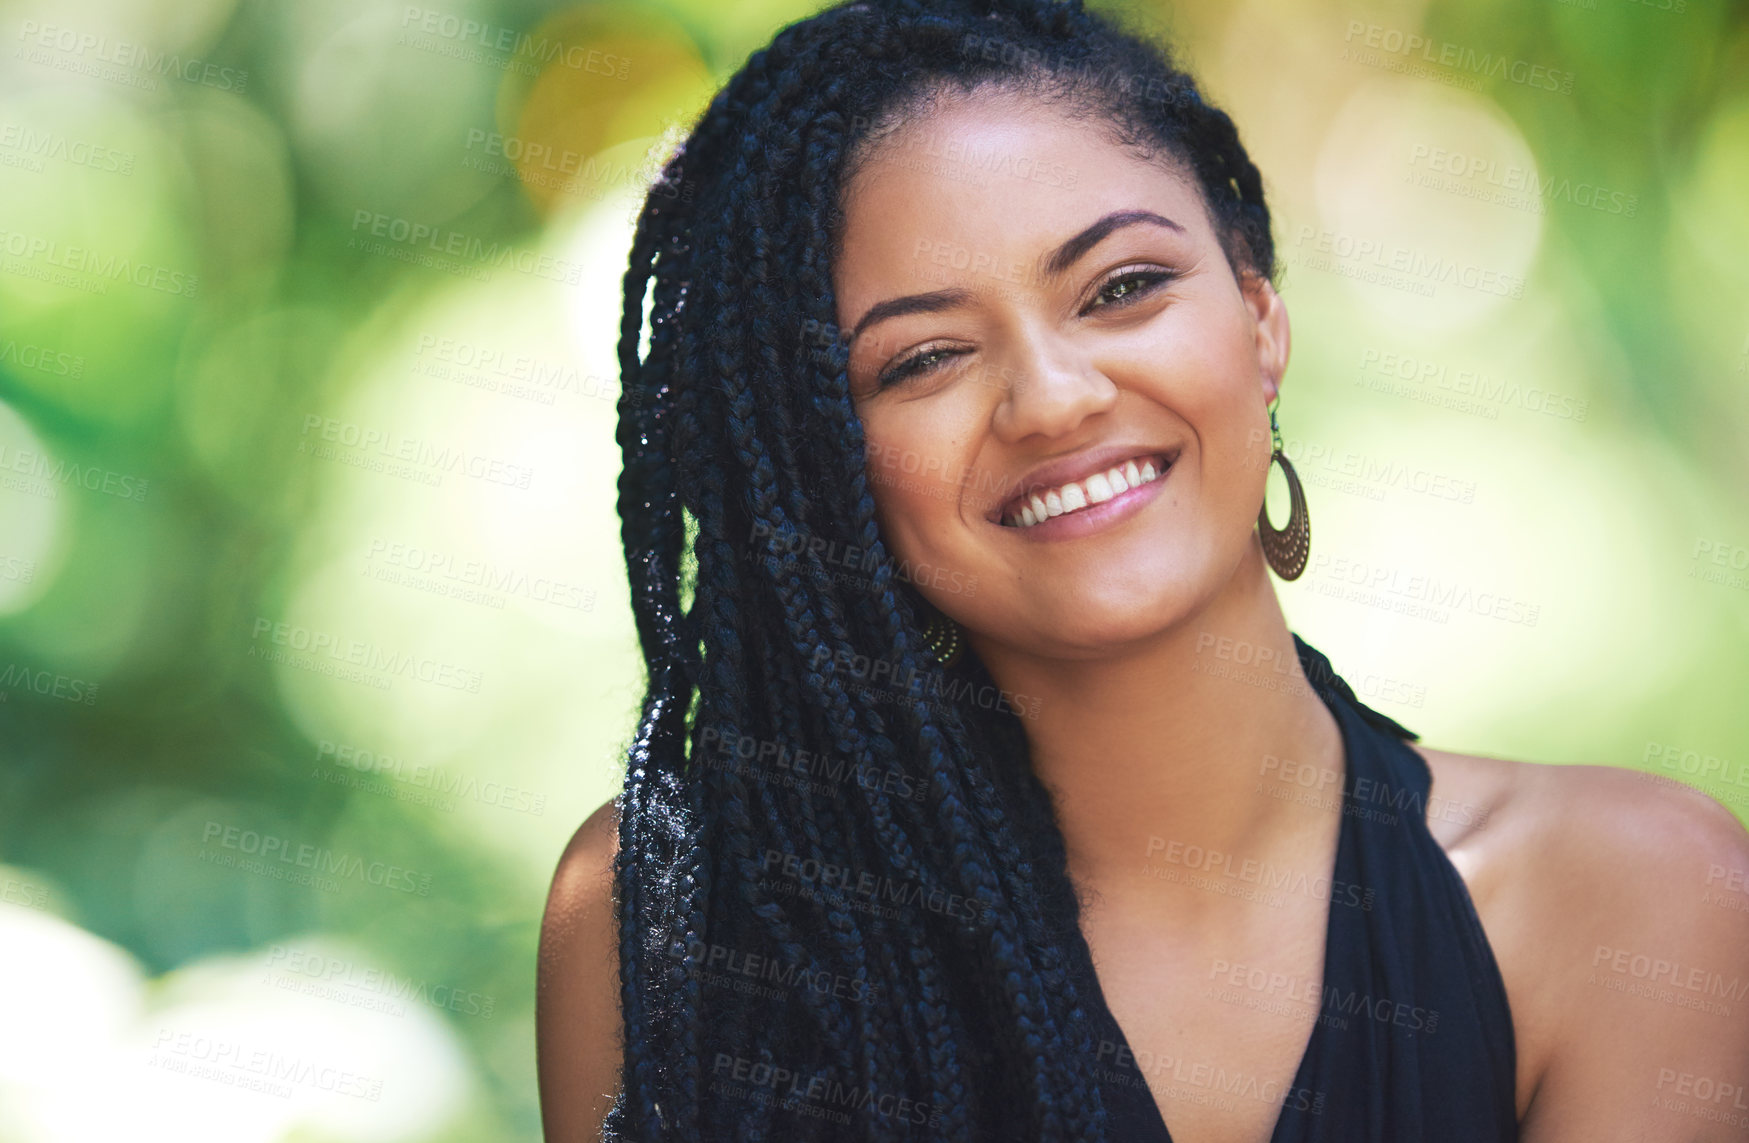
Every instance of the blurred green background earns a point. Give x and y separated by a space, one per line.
314 646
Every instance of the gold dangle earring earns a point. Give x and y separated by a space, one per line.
942 639
1285 550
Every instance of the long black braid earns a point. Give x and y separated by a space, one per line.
941 1003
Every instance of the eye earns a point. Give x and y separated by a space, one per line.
924 361
1126 286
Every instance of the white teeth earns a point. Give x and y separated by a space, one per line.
1074 495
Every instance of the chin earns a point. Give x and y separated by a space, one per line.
1110 624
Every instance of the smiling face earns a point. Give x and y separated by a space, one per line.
1021 335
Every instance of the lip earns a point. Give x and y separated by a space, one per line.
1097 517
1079 466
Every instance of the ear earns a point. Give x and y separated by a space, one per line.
1270 327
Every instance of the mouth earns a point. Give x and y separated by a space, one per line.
1102 480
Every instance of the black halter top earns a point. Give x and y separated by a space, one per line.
1413 1039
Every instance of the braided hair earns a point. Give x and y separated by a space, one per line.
844 909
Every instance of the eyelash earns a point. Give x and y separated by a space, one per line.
1151 280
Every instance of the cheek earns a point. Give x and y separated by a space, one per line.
919 475
1238 427
1204 370
1216 382
900 480
1235 438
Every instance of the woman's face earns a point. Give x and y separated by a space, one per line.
1063 308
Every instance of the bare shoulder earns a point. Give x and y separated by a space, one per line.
1616 851
1618 903
1591 813
578 1027
1613 811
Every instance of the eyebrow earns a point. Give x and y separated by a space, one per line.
1058 261
1066 255
911 304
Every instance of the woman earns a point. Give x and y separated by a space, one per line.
981 791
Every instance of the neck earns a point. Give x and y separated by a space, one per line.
1207 734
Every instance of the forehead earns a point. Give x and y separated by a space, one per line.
992 180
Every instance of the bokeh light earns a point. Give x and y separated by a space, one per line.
314 636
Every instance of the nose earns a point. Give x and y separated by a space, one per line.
1050 386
